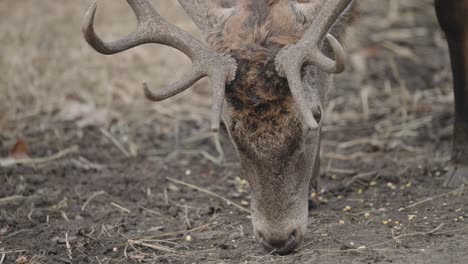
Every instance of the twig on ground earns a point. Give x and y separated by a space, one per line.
116 142
120 207
3 256
86 165
8 162
420 233
452 231
15 233
352 156
94 195
372 247
67 243
341 171
365 103
152 246
187 220
64 216
229 202
458 190
12 251
431 232
176 233
266 255
11 199
154 212
105 231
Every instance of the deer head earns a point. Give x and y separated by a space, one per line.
268 60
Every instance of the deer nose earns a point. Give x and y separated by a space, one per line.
279 244
317 113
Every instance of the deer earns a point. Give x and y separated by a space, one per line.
271 63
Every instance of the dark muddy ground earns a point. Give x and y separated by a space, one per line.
120 193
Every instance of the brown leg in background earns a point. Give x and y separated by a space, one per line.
453 18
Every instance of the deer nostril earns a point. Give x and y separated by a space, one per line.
293 234
318 115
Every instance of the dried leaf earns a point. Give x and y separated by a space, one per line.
20 150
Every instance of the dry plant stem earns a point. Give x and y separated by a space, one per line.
409 235
153 212
16 233
152 246
33 161
353 156
67 243
420 233
11 199
94 195
115 142
3 256
12 251
210 193
452 231
266 255
371 247
202 227
120 207
459 190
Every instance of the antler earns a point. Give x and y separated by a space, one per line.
152 28
307 51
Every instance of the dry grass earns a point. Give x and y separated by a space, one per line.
46 65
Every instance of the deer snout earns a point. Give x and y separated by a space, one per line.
282 241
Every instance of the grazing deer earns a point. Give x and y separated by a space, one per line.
270 60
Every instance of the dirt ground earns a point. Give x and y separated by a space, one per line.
99 175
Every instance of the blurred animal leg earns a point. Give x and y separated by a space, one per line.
452 15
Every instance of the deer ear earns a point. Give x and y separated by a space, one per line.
208 15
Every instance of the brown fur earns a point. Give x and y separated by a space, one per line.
261 99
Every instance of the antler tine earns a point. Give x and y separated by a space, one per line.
307 51
152 28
